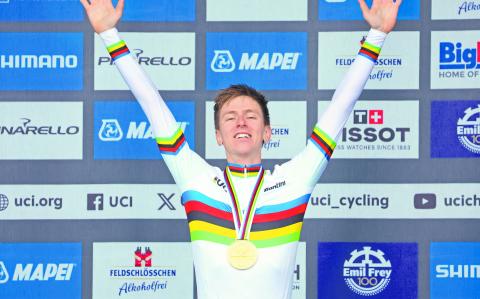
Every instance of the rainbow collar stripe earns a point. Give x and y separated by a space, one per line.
244 171
369 51
118 50
323 142
171 145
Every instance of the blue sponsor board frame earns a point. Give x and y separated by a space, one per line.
334 10
159 11
50 50
234 44
444 141
447 284
403 258
41 11
40 255
124 112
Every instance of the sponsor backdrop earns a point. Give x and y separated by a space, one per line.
88 208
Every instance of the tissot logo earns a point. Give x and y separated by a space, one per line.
98 201
371 134
372 117
166 201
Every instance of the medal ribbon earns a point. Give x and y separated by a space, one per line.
243 224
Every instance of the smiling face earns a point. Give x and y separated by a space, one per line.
242 130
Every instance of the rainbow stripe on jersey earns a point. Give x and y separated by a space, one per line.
323 142
274 225
118 50
369 51
171 145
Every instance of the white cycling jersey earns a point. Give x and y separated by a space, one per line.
283 197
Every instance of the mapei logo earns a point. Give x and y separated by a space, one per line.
455 56
112 131
37 272
367 272
468 129
3 273
143 258
223 61
249 56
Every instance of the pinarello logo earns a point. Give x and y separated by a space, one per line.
143 257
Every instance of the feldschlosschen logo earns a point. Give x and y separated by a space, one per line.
110 130
3 273
468 129
367 272
223 62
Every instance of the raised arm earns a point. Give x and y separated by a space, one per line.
103 17
381 17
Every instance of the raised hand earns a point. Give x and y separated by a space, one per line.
382 15
102 14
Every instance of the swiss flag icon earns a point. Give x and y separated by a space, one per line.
375 117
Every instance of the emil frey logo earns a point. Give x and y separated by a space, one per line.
468 129
143 258
367 272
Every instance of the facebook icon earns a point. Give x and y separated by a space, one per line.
94 201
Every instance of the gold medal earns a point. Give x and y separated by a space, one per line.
242 254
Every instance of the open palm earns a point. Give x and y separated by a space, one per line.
382 15
102 14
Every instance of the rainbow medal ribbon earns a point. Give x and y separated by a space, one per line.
242 254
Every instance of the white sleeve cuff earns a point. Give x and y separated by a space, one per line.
376 37
110 36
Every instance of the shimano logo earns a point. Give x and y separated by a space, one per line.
457 271
26 129
453 56
38 61
223 61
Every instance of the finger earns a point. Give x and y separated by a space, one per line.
85 3
363 6
119 8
